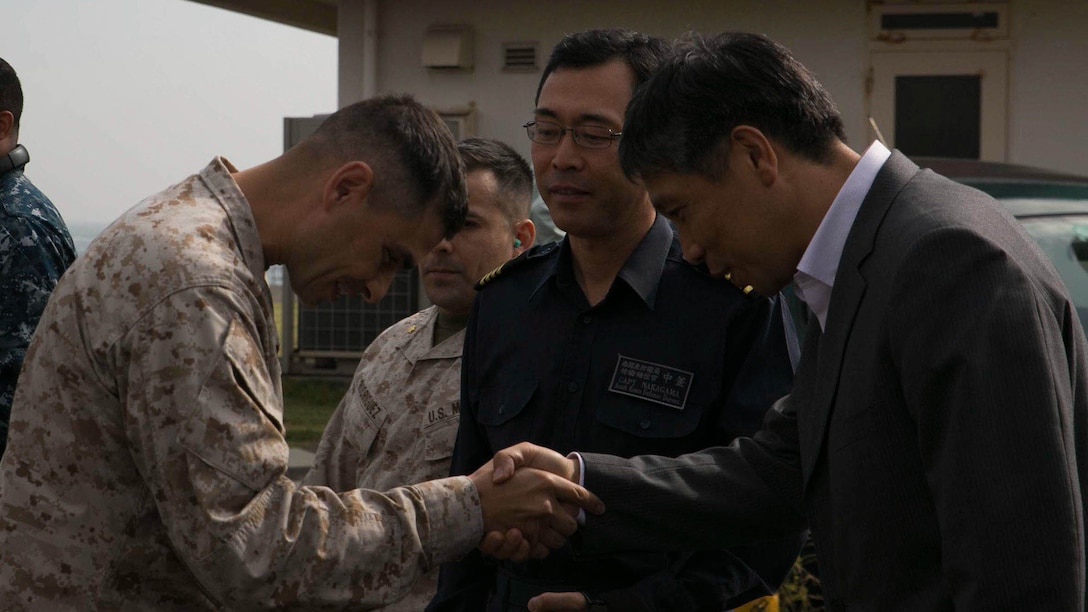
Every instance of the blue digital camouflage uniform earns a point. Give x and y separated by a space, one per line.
35 249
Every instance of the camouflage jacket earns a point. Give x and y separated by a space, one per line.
35 249
147 457
398 422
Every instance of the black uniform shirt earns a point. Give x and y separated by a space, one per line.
670 361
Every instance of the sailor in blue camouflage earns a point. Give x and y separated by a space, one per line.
35 250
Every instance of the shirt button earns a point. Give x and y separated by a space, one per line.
572 387
645 423
587 319
502 408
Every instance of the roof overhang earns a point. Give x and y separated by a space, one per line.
313 15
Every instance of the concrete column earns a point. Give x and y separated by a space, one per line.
357 29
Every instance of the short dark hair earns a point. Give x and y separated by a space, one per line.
11 92
511 172
409 146
643 53
681 119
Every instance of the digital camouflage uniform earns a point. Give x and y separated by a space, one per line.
147 460
35 249
398 422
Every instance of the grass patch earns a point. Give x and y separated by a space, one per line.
801 592
307 405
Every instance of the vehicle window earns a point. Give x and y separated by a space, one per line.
1065 241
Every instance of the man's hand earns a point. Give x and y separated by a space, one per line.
558 602
513 543
531 511
527 454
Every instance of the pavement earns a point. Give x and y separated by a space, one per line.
298 463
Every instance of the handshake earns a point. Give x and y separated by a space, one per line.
530 501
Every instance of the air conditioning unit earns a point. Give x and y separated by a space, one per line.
919 21
448 47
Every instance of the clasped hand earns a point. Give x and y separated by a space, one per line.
530 501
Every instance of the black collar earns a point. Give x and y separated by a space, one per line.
642 270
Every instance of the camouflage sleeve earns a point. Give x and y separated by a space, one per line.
205 420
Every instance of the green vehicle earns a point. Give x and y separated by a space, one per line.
1052 206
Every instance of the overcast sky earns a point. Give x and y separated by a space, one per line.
125 97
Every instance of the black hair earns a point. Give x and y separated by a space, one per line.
511 171
643 53
11 92
413 152
681 119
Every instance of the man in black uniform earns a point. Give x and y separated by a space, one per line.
610 341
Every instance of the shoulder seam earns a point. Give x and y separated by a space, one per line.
536 252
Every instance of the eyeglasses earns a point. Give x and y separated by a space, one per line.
588 136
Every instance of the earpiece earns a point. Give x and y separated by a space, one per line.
15 159
517 243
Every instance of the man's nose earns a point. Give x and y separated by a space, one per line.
693 253
376 288
445 246
567 154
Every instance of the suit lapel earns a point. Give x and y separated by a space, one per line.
846 298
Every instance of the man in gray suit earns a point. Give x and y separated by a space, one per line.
935 441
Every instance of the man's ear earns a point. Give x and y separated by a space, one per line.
751 148
352 182
7 124
525 232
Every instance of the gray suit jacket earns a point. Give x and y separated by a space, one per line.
937 436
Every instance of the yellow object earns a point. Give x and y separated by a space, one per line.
763 604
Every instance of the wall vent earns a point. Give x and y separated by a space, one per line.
902 22
519 57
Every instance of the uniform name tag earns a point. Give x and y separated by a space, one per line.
441 413
651 381
370 405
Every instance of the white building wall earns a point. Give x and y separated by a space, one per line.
1048 84
1048 121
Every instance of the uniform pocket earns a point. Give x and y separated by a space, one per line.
234 446
235 426
438 440
499 405
504 412
646 419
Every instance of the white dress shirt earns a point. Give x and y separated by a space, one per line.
815 274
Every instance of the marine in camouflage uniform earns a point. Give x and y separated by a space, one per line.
35 250
398 421
149 469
